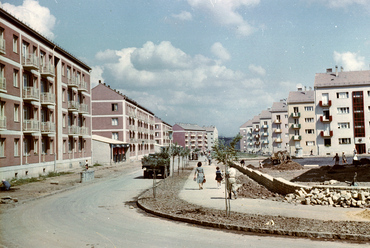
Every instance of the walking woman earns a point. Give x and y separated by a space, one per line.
199 175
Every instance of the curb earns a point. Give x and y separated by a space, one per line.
281 232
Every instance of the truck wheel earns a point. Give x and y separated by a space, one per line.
146 174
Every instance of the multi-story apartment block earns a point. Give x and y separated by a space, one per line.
256 136
45 119
245 131
212 136
265 131
342 111
302 125
161 135
190 136
120 118
280 129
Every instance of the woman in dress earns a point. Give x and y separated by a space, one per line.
199 175
218 177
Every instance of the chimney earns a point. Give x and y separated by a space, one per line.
336 71
329 70
341 68
99 81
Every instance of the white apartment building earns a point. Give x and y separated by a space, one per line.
212 136
265 131
280 128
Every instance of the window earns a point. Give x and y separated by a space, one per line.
64 120
15 44
286 125
2 147
114 121
51 146
343 125
16 147
64 95
114 107
35 146
309 120
63 69
279 145
342 95
310 143
308 108
16 112
310 131
64 146
343 141
16 78
115 136
343 110
286 116
156 134
327 142
295 109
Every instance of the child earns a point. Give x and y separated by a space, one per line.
218 177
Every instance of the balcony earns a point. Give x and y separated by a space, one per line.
73 106
2 122
73 130
325 104
47 70
257 136
256 130
265 134
326 133
265 126
296 126
257 143
83 108
2 47
2 84
277 130
82 86
325 119
30 61
31 93
296 137
47 98
296 115
72 82
47 127
31 126
278 140
265 142
84 131
277 121
250 144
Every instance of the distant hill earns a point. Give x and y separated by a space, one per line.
228 140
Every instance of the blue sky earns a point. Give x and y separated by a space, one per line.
205 62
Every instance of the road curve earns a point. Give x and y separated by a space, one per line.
99 215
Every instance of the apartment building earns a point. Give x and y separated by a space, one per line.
280 129
256 137
162 133
212 136
45 118
302 124
190 136
265 131
245 132
342 111
120 118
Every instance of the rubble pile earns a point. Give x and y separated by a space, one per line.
331 197
288 165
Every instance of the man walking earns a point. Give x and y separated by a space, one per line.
231 181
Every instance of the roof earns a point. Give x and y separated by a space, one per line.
107 140
193 127
265 114
247 124
210 128
342 79
256 119
301 96
279 107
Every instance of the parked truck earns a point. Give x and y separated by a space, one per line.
158 163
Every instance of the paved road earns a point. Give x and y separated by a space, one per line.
97 215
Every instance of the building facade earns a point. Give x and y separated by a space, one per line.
161 133
190 136
120 118
280 129
265 131
212 136
45 115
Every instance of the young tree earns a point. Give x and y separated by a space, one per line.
226 154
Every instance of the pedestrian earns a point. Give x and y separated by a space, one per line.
261 164
199 175
218 177
231 181
344 159
6 185
354 151
209 160
336 158
242 163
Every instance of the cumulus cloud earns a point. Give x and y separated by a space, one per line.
257 69
350 61
219 51
225 13
342 3
183 16
96 75
35 15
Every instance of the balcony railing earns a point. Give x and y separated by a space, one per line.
72 82
324 119
257 143
277 130
296 115
83 108
30 61
256 130
278 140
47 98
326 133
84 131
265 126
73 105
73 130
3 122
2 46
296 126
47 127
265 142
325 104
3 84
82 86
297 137
47 70
31 125
277 121
31 93
265 134
257 136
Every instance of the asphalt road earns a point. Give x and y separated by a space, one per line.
99 215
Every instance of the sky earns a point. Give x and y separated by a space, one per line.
205 62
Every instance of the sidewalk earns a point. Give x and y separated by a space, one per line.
212 197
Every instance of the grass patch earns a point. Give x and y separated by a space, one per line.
97 164
20 181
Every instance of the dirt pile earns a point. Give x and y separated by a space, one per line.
364 214
250 189
288 165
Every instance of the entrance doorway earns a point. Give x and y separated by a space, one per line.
361 148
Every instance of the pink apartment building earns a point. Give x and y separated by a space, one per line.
161 135
191 136
45 120
120 118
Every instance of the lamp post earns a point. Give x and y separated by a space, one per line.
170 133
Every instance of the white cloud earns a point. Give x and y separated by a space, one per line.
342 3
107 55
257 69
35 15
183 16
221 52
350 61
225 13
96 75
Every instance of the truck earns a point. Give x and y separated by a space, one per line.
158 163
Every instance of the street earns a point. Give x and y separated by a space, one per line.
99 215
